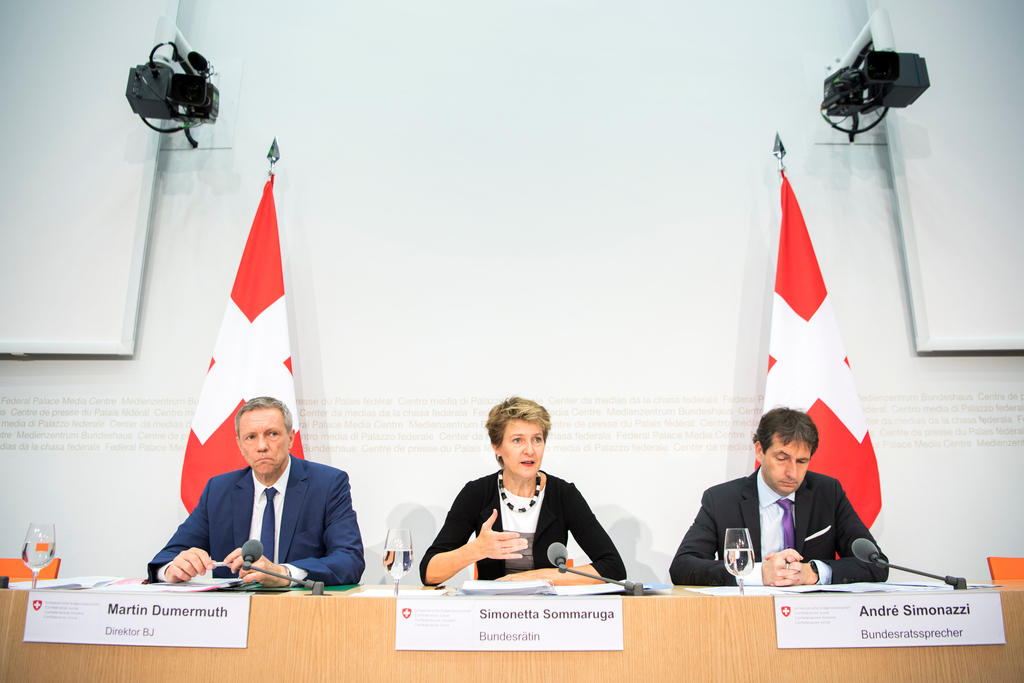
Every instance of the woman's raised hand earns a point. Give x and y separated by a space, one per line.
498 545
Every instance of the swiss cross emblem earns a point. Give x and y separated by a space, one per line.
36 604
786 610
406 612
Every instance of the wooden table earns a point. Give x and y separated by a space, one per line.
684 636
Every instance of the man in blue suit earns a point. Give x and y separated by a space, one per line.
301 511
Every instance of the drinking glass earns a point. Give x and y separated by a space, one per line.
398 554
39 547
738 554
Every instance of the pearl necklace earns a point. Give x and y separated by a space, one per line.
501 491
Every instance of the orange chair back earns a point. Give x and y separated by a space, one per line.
15 569
1003 568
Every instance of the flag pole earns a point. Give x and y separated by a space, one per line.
274 154
778 151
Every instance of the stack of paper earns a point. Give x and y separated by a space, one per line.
475 587
544 588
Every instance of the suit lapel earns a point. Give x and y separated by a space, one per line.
294 499
242 496
804 505
547 512
750 508
493 504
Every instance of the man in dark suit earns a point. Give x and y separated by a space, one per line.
801 524
301 511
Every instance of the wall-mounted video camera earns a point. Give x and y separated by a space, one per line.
872 77
173 85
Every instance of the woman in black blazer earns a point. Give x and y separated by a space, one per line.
517 512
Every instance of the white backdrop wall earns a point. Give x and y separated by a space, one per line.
570 201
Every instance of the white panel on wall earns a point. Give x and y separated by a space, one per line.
77 168
957 156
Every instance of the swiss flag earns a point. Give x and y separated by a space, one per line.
808 369
252 358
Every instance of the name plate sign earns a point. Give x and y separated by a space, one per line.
509 623
890 620
168 619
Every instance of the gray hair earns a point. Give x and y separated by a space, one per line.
261 403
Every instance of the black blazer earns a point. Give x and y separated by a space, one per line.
820 503
562 511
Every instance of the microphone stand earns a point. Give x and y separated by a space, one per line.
957 582
316 587
630 586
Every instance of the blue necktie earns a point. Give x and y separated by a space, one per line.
269 519
787 522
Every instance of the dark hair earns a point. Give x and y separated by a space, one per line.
790 425
261 403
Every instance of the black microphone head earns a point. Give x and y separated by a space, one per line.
557 554
252 550
864 550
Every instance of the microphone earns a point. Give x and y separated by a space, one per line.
863 549
558 556
866 551
252 550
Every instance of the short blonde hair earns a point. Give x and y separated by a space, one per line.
516 408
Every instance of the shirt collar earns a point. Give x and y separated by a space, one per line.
281 484
765 495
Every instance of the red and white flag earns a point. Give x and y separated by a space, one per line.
252 358
808 369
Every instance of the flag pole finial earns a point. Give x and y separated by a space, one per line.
779 151
273 155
